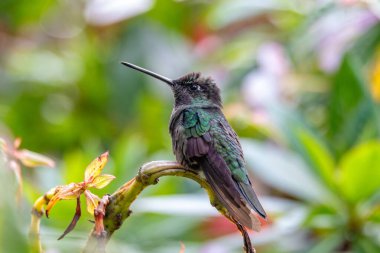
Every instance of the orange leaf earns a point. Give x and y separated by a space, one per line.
95 167
70 191
101 181
92 201
50 205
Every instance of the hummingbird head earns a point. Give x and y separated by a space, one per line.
190 89
193 89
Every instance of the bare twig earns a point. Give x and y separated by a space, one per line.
247 240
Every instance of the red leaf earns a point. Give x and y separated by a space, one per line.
74 220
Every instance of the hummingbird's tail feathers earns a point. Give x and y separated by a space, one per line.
256 224
226 190
251 198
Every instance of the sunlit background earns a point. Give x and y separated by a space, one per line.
300 82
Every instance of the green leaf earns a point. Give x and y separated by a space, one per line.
307 142
366 245
360 172
318 156
365 46
351 106
285 171
324 217
326 245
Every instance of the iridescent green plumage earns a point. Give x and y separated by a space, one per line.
203 140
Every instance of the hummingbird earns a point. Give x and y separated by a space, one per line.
203 140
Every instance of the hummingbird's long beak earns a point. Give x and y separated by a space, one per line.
148 72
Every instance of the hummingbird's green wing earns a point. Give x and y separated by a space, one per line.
206 140
228 146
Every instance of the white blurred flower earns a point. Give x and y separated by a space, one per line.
262 87
106 12
271 58
335 32
331 35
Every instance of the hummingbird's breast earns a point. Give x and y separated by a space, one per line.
190 131
179 139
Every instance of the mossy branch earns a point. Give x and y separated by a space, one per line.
118 208
114 209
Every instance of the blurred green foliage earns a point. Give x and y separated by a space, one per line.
300 82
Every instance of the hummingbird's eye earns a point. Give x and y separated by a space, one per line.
195 87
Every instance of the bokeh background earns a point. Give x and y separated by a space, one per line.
301 86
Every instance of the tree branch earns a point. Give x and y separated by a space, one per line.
114 209
118 210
